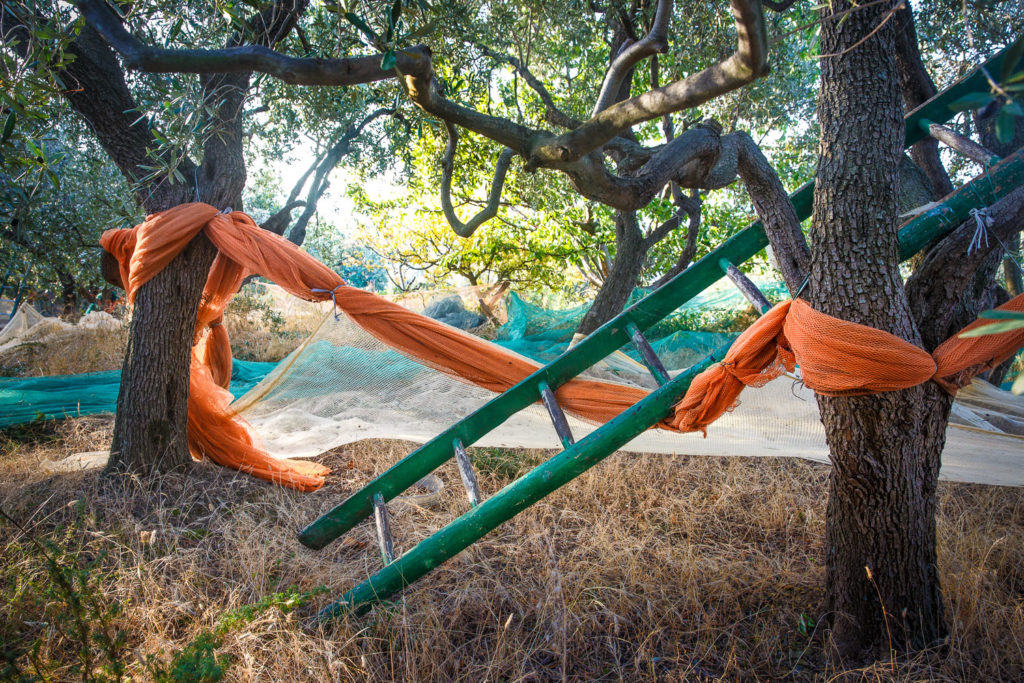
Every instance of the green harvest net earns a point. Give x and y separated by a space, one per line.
680 340
26 399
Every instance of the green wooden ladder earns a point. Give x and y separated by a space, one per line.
626 328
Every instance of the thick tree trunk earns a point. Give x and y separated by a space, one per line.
882 588
150 432
622 275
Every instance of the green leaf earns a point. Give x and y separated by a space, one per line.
358 22
8 127
1004 125
974 100
389 60
423 30
175 30
996 314
993 328
396 12
1012 59
1018 385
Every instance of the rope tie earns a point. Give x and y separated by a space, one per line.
334 297
982 222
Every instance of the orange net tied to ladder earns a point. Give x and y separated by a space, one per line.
837 357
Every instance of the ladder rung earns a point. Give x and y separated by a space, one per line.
557 416
746 286
467 473
380 517
647 354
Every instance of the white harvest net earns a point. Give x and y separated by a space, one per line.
342 385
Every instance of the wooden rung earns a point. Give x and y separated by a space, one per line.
380 517
557 416
467 473
747 288
647 354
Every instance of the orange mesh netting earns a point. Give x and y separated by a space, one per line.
836 356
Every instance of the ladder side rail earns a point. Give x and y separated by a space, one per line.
914 235
522 493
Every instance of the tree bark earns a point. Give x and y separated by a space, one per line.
882 587
150 431
622 275
917 88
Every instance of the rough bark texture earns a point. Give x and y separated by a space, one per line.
152 406
885 448
622 275
917 87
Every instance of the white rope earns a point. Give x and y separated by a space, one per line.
982 222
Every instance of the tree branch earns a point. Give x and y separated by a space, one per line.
943 289
553 114
240 58
538 148
969 148
917 87
776 212
297 233
656 41
493 199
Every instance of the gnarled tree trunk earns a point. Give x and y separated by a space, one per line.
882 585
623 274
150 432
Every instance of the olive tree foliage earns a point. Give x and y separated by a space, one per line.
58 191
539 66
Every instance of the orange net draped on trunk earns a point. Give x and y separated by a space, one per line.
837 357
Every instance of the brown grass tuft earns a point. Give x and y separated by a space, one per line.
645 568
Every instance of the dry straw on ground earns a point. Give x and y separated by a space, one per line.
645 568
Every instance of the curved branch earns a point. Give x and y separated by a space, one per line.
573 152
280 220
656 41
691 206
773 207
746 64
490 210
297 233
553 114
243 58
539 148
691 160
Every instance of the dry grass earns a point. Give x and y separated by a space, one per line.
72 351
261 328
266 324
644 568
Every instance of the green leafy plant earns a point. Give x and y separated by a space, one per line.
1009 87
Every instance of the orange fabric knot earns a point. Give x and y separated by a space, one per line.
841 358
837 358
758 356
